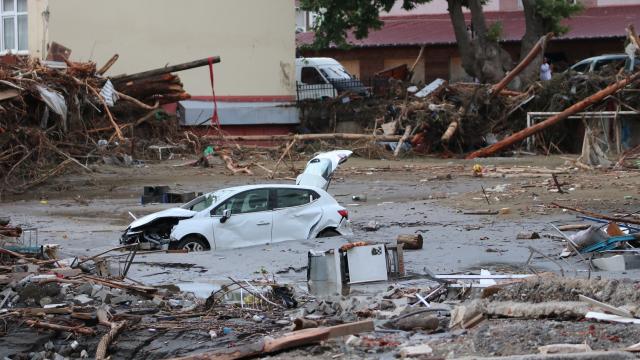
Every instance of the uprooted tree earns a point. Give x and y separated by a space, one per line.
481 54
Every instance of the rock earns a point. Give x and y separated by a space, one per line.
95 289
257 318
117 300
82 299
84 354
414 351
58 357
528 235
49 346
564 348
86 289
422 321
45 301
371 226
103 295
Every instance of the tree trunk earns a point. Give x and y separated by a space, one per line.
481 58
462 37
534 29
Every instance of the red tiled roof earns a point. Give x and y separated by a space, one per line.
592 23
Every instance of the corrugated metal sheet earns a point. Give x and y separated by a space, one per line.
592 23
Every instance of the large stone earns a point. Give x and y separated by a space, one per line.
45 300
82 299
86 289
415 351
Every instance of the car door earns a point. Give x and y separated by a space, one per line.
296 212
250 221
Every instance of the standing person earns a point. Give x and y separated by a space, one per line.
545 70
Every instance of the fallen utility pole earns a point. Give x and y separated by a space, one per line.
303 137
166 70
535 51
577 107
599 216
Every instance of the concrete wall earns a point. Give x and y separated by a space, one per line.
255 39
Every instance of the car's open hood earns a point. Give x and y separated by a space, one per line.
168 213
320 169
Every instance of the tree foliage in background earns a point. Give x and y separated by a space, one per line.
482 56
335 18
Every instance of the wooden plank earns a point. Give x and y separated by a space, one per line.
351 328
609 308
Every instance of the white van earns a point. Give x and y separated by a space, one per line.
318 78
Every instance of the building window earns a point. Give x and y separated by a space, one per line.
14 27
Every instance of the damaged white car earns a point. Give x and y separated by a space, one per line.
250 215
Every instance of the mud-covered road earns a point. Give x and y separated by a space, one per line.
425 196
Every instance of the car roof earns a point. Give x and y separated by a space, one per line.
317 61
238 189
604 57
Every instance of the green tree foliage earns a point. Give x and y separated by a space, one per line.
337 17
551 12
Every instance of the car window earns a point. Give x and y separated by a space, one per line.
206 201
246 202
614 64
311 76
584 67
200 203
294 197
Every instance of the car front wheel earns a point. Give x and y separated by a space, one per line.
192 244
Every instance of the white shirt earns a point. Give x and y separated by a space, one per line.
545 72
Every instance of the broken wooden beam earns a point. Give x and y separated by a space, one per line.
108 65
577 107
535 51
166 70
56 327
287 341
403 139
623 220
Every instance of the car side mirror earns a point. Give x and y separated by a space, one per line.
226 214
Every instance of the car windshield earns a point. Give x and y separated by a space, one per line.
200 203
335 72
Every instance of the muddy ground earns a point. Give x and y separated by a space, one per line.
426 196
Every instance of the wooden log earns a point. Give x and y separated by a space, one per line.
419 321
106 109
624 220
107 339
56 327
577 107
403 139
573 227
453 126
166 70
287 341
497 88
302 323
410 241
108 65
304 137
231 165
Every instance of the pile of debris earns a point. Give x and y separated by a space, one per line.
59 114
